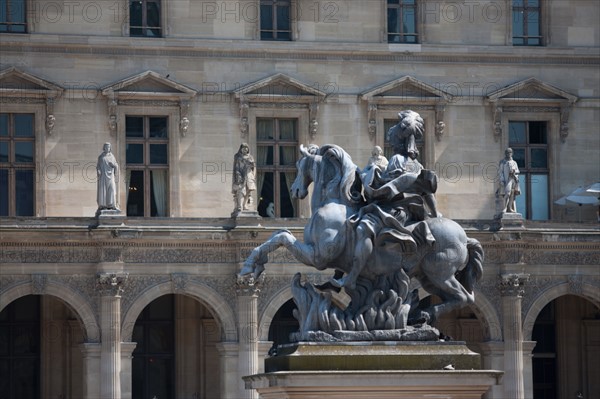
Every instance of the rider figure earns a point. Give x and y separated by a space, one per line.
387 206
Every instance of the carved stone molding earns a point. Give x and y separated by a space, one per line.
50 118
372 120
440 125
565 112
248 286
184 121
179 282
111 284
513 284
113 116
497 128
244 124
575 284
313 115
7 282
39 284
137 285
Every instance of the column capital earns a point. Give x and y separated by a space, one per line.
111 284
513 284
247 285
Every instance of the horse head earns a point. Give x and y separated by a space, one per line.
306 172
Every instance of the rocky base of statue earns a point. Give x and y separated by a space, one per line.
411 333
378 311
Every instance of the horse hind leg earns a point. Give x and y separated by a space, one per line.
453 296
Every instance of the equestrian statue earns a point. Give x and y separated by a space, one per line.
378 230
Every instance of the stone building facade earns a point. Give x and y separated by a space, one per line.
148 304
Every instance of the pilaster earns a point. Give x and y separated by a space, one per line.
512 287
110 286
229 352
247 295
91 369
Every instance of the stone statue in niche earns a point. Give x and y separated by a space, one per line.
508 184
377 240
244 179
107 169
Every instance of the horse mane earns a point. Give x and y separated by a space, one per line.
339 175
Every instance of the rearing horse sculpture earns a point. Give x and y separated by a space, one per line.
448 267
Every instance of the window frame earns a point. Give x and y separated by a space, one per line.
163 17
401 6
40 179
543 20
173 180
526 172
552 120
8 23
276 168
293 25
146 166
302 119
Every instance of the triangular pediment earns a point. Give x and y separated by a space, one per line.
406 88
14 80
278 87
148 84
531 90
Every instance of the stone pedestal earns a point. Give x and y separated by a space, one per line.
244 219
508 221
110 217
373 370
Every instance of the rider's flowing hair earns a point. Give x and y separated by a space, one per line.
339 175
402 136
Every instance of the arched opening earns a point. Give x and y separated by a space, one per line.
176 354
20 347
283 324
566 357
40 355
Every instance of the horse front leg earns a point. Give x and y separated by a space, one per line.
255 263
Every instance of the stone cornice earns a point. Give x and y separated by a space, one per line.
463 54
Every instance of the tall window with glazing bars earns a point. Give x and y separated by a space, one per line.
275 20
527 30
12 16
402 21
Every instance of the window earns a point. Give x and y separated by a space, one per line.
544 354
526 23
12 16
144 18
17 165
276 145
529 141
20 349
153 364
402 21
388 151
275 20
147 149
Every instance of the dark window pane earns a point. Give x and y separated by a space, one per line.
160 338
153 18
409 21
158 127
287 129
264 129
3 192
161 308
266 194
539 197
539 158
24 151
24 192
135 198
160 377
266 17
3 151
138 337
3 124
392 15
285 182
519 156
158 154
537 133
25 378
134 154
533 25
27 308
393 1
134 126
25 341
517 133
4 338
24 125
17 11
159 192
265 155
135 16
287 155
283 18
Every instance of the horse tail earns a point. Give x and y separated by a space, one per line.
474 268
